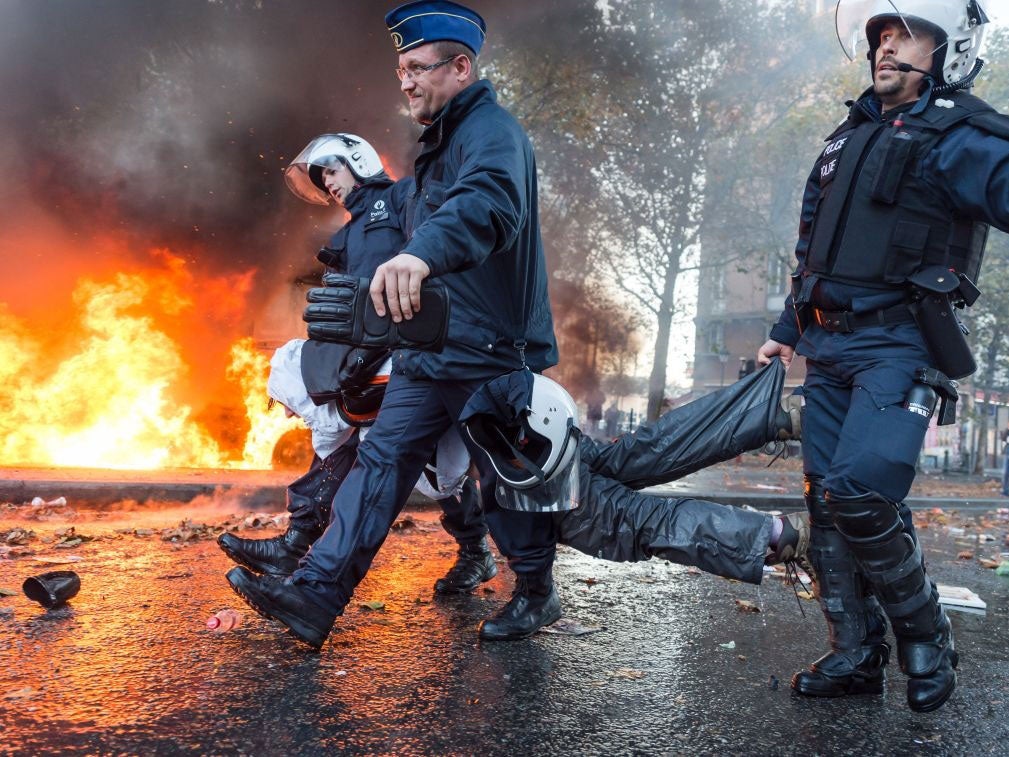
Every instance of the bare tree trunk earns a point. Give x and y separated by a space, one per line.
991 359
657 379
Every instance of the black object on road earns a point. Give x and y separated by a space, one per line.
52 589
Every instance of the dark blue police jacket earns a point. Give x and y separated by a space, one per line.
374 233
968 168
474 220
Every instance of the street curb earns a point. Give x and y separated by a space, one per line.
101 495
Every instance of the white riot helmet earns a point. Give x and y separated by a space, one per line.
956 25
536 458
304 175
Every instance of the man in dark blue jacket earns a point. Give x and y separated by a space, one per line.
894 219
345 169
473 223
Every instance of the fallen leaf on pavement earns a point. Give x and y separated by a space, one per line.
62 560
965 555
17 536
805 595
589 581
7 592
26 693
728 645
744 605
373 605
571 627
990 564
404 523
628 673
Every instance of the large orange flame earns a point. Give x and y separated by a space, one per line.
118 383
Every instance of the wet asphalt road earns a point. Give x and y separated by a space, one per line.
128 666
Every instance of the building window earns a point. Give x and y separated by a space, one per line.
778 273
718 290
715 337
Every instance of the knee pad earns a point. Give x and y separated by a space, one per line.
865 517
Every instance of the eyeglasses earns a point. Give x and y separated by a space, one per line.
413 72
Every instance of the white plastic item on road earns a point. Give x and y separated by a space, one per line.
58 502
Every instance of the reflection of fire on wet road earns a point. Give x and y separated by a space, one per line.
129 667
131 652
146 369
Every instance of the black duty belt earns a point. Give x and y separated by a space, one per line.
845 321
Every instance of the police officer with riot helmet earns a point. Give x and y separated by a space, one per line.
894 219
346 170
472 226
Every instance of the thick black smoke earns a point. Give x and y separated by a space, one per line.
168 124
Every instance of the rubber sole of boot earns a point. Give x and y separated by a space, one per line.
292 623
255 567
835 687
932 706
440 587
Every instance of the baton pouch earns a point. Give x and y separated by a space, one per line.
342 311
931 305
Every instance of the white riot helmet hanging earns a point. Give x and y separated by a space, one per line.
957 27
528 426
305 178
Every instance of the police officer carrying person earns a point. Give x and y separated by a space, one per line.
473 225
893 224
346 170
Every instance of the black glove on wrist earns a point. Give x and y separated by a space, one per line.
342 311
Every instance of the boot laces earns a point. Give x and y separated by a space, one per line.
793 580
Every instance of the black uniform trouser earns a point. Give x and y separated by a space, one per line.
414 415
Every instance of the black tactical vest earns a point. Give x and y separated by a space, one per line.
876 221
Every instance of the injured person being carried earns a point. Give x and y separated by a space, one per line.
528 426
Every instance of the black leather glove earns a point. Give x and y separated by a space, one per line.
342 311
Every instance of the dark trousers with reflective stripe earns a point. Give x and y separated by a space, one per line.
415 413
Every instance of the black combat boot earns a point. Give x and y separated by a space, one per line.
279 599
474 564
929 662
892 563
858 654
534 604
278 556
791 413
